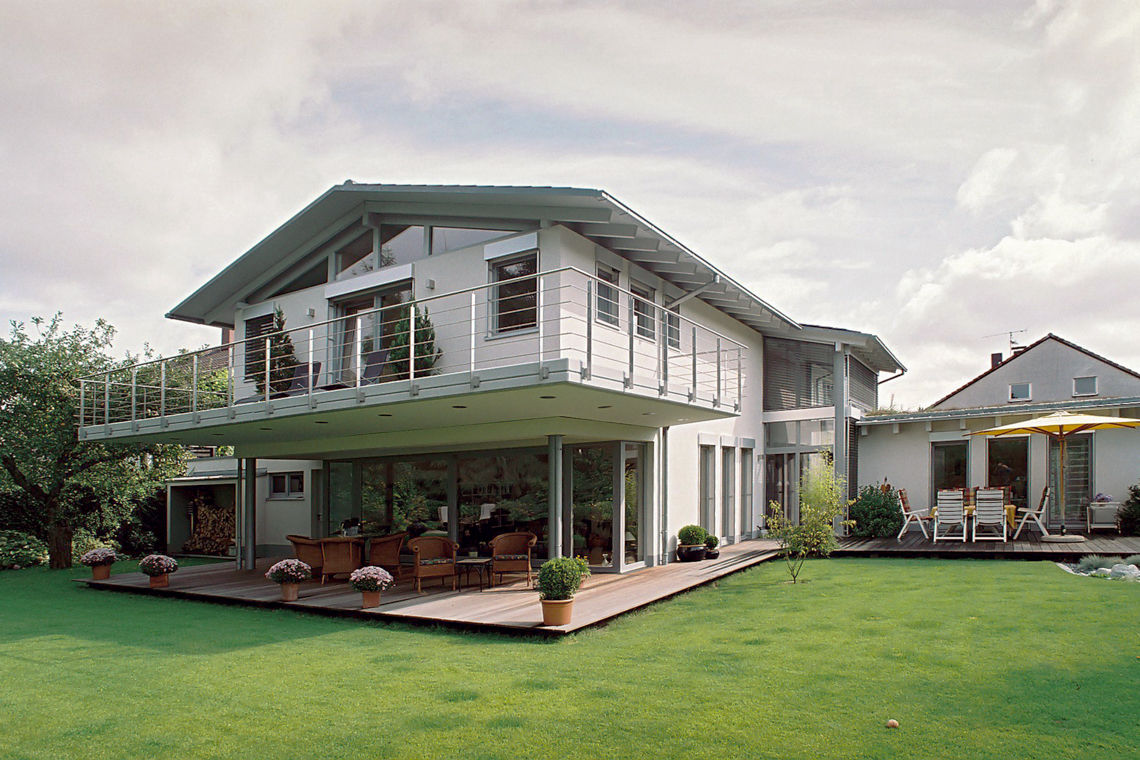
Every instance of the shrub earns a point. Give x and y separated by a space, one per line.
1091 562
85 541
1128 518
289 571
1132 559
370 578
103 555
157 564
821 504
561 577
19 550
711 541
876 513
692 535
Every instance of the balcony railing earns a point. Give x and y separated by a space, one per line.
609 335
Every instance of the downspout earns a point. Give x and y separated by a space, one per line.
664 497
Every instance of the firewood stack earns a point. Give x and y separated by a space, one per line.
212 530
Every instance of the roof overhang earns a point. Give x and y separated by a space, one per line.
1001 411
866 347
592 213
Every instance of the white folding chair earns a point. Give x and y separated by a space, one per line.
1035 515
911 515
989 513
951 513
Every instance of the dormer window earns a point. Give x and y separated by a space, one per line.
1085 386
1020 391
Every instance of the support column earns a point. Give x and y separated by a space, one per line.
248 541
840 396
554 491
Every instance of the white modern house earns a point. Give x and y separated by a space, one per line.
931 449
577 373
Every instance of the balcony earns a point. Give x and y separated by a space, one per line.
556 344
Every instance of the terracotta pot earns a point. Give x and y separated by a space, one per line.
160 581
691 552
370 599
557 611
100 572
289 591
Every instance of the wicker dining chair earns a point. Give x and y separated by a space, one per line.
308 550
385 552
341 556
434 558
510 553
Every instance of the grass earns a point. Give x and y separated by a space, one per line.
976 659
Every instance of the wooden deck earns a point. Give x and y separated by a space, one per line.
1026 547
511 607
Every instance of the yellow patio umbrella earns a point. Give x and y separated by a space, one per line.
1061 426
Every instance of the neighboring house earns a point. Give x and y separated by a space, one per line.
201 505
577 373
928 450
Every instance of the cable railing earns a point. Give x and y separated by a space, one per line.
609 335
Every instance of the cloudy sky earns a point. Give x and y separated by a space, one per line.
935 176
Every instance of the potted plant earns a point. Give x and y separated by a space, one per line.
158 567
370 581
100 561
711 543
691 543
290 573
558 580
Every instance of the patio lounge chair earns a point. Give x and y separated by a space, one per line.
435 558
510 553
1035 515
989 512
951 513
302 381
385 552
341 556
308 550
910 515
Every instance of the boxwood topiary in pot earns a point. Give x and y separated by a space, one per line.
711 544
691 543
558 580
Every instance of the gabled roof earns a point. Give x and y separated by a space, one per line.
866 347
1022 353
592 213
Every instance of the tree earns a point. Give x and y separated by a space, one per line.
822 502
56 483
282 357
426 352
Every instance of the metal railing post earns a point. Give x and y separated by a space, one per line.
194 386
82 400
631 330
694 390
538 315
473 330
739 375
716 399
267 368
107 399
134 392
231 373
412 344
589 329
162 389
356 350
662 373
309 370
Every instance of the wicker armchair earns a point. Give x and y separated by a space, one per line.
385 552
510 553
341 556
435 558
308 550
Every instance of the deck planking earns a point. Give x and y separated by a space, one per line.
510 607
1026 547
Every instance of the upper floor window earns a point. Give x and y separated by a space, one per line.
672 327
355 258
643 309
286 485
1084 386
1020 391
515 302
444 239
609 280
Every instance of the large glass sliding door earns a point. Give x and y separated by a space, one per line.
376 318
591 521
1007 466
948 466
503 493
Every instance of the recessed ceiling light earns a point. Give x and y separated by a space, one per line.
265 428
383 414
647 414
546 396
219 435
607 406
458 406
321 422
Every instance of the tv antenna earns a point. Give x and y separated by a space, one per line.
1013 344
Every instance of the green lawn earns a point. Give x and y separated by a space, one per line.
976 659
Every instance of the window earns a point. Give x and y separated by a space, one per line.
444 239
1084 386
746 491
1020 391
707 485
609 280
643 309
672 327
255 331
949 466
356 257
728 488
400 244
515 303
287 485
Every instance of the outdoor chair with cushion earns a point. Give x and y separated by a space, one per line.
911 515
951 513
1028 513
385 552
434 558
308 550
989 515
510 553
302 381
341 556
374 366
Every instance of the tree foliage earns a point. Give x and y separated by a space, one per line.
427 354
56 483
876 513
282 357
822 504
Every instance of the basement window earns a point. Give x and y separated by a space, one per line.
1020 391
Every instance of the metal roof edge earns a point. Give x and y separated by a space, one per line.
999 411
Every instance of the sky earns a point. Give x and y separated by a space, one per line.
939 176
